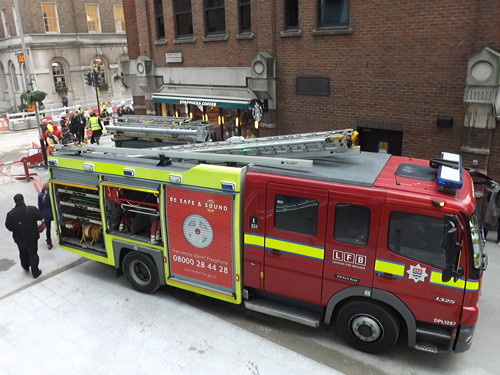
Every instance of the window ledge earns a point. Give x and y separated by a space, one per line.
160 42
332 30
189 39
248 35
215 38
290 33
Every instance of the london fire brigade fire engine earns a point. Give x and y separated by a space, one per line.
304 227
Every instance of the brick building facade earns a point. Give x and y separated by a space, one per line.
405 75
63 39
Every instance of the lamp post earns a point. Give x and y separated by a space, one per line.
29 82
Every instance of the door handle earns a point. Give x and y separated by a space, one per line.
275 252
388 276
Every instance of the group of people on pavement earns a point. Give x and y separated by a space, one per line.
72 128
23 219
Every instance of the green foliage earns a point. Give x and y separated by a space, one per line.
62 89
30 97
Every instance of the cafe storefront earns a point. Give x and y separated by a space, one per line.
232 110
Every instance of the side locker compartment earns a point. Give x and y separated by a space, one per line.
77 211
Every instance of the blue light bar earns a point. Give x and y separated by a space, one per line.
450 177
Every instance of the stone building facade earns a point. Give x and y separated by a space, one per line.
62 40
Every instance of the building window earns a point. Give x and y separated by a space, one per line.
245 16
119 18
6 28
215 17
3 78
13 76
291 14
333 13
296 214
183 18
93 23
50 21
160 24
58 76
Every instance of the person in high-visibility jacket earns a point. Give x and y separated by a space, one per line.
96 127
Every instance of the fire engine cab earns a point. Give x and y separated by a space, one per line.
304 227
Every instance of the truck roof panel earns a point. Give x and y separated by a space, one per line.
362 169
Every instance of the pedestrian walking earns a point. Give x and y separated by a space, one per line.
492 217
96 127
64 101
79 123
22 221
46 210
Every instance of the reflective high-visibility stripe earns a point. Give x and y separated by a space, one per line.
285 246
470 285
254 240
295 248
383 266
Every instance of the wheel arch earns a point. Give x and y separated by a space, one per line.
389 299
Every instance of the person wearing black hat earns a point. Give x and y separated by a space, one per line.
22 221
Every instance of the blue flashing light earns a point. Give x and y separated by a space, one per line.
53 163
128 172
450 177
228 186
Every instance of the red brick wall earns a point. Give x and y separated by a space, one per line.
404 62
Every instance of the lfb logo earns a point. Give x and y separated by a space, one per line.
344 256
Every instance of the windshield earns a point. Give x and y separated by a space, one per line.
476 239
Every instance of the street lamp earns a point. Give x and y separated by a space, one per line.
29 80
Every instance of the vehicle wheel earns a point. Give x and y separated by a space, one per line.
368 326
141 272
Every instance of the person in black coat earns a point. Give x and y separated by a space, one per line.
22 221
46 209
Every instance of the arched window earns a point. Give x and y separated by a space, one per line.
59 76
3 78
13 77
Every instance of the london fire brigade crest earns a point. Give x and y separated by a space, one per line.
417 273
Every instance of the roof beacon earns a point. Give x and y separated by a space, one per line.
449 176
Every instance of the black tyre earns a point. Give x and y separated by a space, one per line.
141 272
368 326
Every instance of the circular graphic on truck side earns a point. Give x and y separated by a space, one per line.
197 231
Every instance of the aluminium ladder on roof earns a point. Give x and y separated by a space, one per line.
283 150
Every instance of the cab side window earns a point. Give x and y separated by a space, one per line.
352 223
418 237
296 214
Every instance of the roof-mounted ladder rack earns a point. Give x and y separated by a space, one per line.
277 151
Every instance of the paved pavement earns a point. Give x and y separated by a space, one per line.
77 318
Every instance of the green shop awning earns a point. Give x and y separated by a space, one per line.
223 97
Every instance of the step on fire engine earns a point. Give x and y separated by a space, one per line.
304 227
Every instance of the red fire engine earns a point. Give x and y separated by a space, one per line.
292 226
